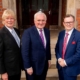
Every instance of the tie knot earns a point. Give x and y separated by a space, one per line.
40 30
12 30
67 34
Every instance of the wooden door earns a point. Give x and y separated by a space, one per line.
37 5
54 12
30 7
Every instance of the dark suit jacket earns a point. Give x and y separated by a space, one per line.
10 56
33 52
72 55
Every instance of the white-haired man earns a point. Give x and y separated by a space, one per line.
36 49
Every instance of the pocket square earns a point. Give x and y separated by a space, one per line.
73 42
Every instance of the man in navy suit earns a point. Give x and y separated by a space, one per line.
36 49
68 50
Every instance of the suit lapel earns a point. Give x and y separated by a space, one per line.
61 41
70 40
37 35
45 33
17 33
9 34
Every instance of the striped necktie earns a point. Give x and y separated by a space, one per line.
16 37
42 37
64 45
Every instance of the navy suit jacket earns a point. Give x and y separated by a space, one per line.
33 52
72 55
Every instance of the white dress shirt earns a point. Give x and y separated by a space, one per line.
43 35
69 32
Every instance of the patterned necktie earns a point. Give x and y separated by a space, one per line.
64 45
16 37
42 37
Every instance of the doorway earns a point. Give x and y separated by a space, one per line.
27 8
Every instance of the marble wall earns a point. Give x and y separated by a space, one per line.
71 7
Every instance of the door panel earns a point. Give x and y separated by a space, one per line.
25 12
30 7
37 5
54 12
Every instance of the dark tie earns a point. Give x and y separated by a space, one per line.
42 37
64 45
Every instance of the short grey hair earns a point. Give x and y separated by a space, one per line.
40 12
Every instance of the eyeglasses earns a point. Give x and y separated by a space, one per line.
69 22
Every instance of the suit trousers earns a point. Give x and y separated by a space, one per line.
38 77
14 77
63 76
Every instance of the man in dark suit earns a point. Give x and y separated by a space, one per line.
10 56
68 50
36 49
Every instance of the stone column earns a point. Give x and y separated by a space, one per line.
11 4
71 8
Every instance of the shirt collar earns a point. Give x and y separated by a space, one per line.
70 32
9 28
39 29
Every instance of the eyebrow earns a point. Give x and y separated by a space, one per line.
40 20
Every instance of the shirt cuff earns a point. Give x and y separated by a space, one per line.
65 63
59 59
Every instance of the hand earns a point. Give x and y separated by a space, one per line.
4 76
30 71
49 63
61 62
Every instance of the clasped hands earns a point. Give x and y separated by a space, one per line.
61 62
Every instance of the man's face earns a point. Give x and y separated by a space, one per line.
68 23
40 21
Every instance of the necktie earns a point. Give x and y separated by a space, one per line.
16 37
64 45
42 37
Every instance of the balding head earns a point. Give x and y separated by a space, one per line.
40 13
40 19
